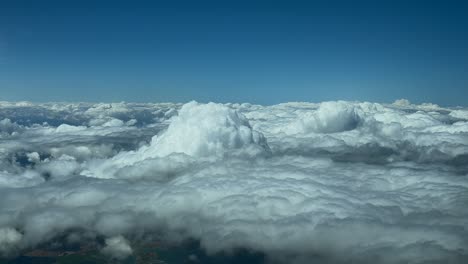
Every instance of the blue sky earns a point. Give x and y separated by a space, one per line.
234 51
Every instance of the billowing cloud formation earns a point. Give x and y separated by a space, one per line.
330 117
207 130
9 238
117 247
334 182
199 131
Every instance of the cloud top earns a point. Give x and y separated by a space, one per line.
208 130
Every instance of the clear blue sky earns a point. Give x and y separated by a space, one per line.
234 51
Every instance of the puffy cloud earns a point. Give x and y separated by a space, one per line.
8 128
334 182
117 247
199 131
402 102
9 240
461 114
330 117
206 130
33 157
64 128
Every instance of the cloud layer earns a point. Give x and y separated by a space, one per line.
335 182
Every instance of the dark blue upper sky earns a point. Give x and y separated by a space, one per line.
234 51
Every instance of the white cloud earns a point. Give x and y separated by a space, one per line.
117 247
9 240
330 182
330 117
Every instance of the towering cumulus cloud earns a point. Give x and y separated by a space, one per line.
198 131
207 130
330 117
9 238
334 182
